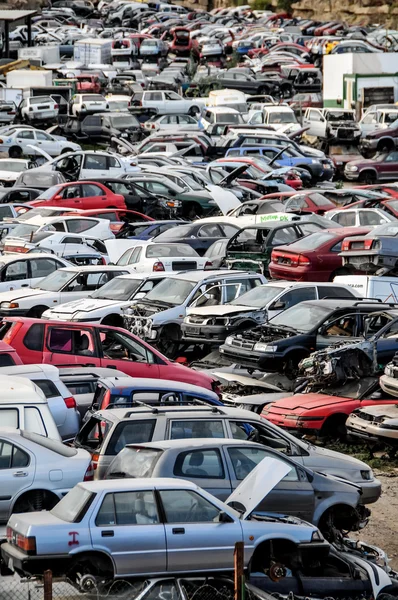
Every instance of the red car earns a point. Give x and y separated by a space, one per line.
88 83
259 169
116 216
81 195
88 345
326 412
314 202
181 43
314 257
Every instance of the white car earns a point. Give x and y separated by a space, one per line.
359 217
87 164
84 104
118 102
20 141
106 304
69 283
25 235
172 122
18 271
10 169
38 108
170 102
144 257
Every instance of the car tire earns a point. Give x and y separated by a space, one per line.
87 567
367 177
334 427
191 210
292 362
385 146
193 111
36 312
169 340
113 321
15 152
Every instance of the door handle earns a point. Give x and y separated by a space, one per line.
110 366
178 530
20 474
24 285
107 533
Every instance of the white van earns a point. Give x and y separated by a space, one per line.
370 286
212 115
228 98
24 406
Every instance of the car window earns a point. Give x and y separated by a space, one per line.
392 157
12 456
237 287
95 162
128 508
34 420
71 341
41 267
210 230
34 338
344 326
371 218
113 163
25 135
285 235
299 295
130 432
185 506
9 417
15 271
79 225
199 463
244 460
48 388
41 135
345 218
196 429
91 190
118 346
333 292
256 432
6 212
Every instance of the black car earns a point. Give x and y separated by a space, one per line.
18 194
247 83
292 335
102 127
82 8
199 236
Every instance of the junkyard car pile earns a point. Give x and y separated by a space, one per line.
193 306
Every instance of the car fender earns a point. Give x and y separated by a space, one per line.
291 349
385 138
368 168
347 499
91 548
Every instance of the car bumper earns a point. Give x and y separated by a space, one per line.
21 563
296 426
252 359
351 176
15 312
370 431
297 274
204 334
368 144
389 385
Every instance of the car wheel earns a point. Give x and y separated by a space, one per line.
291 364
367 177
89 571
334 428
15 152
113 321
193 111
36 312
385 146
191 210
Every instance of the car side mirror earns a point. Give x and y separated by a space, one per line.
224 518
278 305
95 407
57 197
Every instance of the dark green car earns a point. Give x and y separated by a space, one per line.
250 249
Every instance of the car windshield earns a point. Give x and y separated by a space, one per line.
166 250
41 179
24 230
72 505
48 194
302 317
389 230
15 167
190 181
118 289
259 296
282 117
56 280
171 291
124 122
134 462
340 116
229 118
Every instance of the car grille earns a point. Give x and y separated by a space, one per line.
245 344
196 320
370 418
183 266
345 133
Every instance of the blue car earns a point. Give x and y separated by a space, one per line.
149 229
284 157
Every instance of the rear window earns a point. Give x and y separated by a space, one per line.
74 505
134 462
6 360
163 251
41 100
313 241
50 444
48 388
93 98
130 432
34 338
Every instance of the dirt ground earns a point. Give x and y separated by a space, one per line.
382 528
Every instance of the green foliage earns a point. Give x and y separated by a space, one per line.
261 5
285 5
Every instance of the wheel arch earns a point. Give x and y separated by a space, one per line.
27 492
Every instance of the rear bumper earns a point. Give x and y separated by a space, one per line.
21 563
297 274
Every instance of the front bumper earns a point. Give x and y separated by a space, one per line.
204 334
249 358
23 564
351 175
371 432
389 385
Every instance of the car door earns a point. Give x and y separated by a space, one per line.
368 123
123 352
385 331
294 494
195 537
92 196
155 100
15 275
66 346
47 143
343 328
70 197
175 103
207 468
17 470
316 122
23 139
128 525
94 165
41 267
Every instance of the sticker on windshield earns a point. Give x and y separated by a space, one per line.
273 217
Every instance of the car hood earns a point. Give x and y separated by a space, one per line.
258 484
362 161
308 401
220 310
86 305
225 200
382 410
20 294
116 247
226 377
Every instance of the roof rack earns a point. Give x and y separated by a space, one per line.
183 407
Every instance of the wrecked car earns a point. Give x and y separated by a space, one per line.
282 343
159 315
211 325
389 381
374 253
162 507
251 247
218 466
337 124
376 425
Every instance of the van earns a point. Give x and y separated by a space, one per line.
212 115
24 406
370 286
228 98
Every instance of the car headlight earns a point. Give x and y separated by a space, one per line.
260 347
314 161
228 340
367 474
9 305
351 168
317 536
388 371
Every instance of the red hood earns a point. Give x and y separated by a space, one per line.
307 402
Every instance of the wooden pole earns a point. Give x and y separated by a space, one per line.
239 570
48 585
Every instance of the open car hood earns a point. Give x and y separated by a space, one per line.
115 248
243 380
258 484
225 200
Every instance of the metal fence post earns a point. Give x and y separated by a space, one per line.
239 568
48 585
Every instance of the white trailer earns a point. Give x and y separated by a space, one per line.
43 54
21 78
11 95
93 50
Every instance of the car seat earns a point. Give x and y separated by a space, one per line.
195 462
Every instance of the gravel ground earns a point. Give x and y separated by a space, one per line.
382 529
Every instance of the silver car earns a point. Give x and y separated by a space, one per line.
36 471
142 527
219 466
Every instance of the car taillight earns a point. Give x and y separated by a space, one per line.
303 260
367 244
12 332
89 474
106 400
9 533
56 106
70 402
26 544
94 460
1 141
158 266
345 245
153 126
208 264
103 260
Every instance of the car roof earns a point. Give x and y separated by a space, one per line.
191 444
200 275
138 484
90 268
8 258
20 390
158 384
